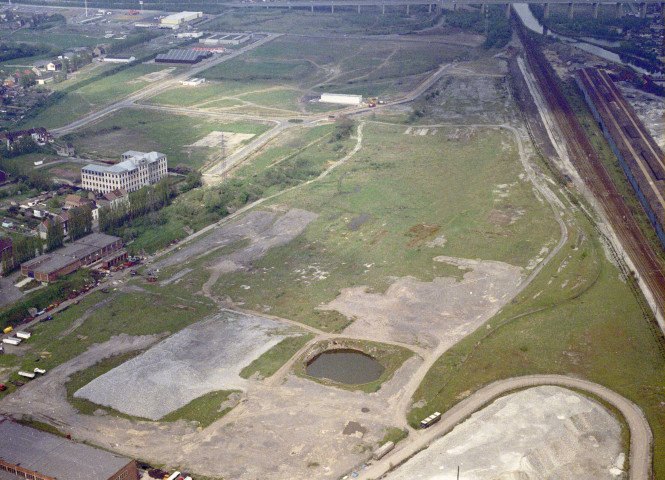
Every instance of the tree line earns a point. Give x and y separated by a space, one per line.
78 226
141 202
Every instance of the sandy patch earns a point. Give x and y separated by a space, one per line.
231 140
154 76
430 313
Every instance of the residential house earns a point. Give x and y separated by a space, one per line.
61 218
66 150
114 198
74 201
54 66
40 135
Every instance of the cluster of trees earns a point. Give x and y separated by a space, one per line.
26 176
43 297
495 25
55 235
80 222
142 202
79 225
22 250
343 129
12 50
131 41
23 145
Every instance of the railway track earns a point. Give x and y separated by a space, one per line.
588 163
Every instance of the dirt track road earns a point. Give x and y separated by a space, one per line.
640 432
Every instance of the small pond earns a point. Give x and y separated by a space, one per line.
351 367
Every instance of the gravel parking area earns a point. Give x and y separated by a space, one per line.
204 357
540 433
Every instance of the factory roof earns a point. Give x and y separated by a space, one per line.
54 261
182 55
54 456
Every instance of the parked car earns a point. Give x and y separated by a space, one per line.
3 387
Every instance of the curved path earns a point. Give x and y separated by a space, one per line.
640 432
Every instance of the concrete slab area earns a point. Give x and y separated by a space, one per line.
202 358
540 433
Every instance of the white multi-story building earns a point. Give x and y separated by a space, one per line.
136 170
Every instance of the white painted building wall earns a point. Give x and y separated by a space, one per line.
341 98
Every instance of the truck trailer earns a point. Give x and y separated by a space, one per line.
11 341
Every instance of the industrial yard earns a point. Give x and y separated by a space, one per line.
432 203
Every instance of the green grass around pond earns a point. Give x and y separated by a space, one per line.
204 410
580 318
378 213
171 134
271 361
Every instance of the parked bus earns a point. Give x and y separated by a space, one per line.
431 420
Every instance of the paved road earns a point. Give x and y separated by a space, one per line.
640 432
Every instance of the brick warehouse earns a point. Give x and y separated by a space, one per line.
29 453
85 251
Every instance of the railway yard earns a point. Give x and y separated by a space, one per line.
648 266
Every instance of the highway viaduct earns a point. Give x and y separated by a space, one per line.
437 5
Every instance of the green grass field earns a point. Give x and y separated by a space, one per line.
579 317
338 65
268 363
204 410
344 20
372 210
94 95
139 313
171 134
65 40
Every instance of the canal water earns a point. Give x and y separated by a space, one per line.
532 23
350 367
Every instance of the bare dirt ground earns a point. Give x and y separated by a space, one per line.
264 229
650 110
280 430
8 292
232 141
543 433
154 76
431 313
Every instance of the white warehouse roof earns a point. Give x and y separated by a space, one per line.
341 98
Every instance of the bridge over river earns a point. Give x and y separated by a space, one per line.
437 5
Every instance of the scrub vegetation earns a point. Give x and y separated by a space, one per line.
380 212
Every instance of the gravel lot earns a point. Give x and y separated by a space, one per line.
540 433
431 313
204 357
